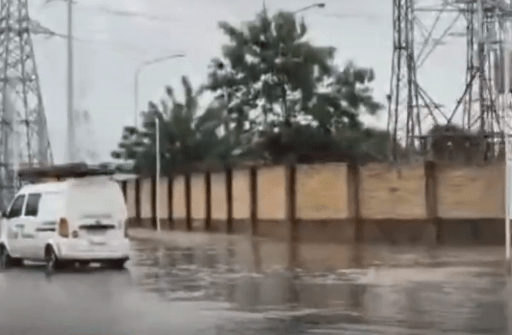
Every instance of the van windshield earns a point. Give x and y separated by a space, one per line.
96 200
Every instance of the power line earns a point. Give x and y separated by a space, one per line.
129 14
354 16
120 13
126 49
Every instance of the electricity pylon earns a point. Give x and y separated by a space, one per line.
23 127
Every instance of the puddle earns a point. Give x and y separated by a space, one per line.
463 296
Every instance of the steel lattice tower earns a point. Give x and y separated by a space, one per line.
485 95
23 128
404 87
412 112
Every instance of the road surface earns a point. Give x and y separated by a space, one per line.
198 290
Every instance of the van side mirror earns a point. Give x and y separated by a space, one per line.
4 214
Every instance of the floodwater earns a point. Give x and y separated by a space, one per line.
208 289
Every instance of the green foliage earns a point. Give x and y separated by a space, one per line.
184 138
275 94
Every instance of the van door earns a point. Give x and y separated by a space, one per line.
15 226
49 209
29 238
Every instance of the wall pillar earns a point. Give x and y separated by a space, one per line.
170 194
208 200
291 216
153 203
431 185
354 198
137 202
229 200
188 203
254 200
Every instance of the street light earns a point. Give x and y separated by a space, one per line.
157 177
137 73
315 5
157 128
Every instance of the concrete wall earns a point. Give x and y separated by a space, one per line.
219 199
178 198
198 201
130 198
272 193
335 202
163 206
241 195
322 192
393 193
145 197
471 193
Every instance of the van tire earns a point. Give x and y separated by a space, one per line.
83 264
5 258
6 261
117 264
16 262
51 260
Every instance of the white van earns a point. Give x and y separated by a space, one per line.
79 220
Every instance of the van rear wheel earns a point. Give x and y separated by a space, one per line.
117 264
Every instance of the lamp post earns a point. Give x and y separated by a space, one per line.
137 73
315 5
157 177
157 128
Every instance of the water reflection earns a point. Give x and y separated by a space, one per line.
368 300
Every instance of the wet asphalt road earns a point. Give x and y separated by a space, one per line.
198 291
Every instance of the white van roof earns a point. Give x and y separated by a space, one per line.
45 187
58 186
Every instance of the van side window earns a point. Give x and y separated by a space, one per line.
32 207
17 207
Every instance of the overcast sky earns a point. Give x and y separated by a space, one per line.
115 44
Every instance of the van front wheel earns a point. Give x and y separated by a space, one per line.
5 258
6 261
51 260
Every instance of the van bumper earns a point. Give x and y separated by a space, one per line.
85 252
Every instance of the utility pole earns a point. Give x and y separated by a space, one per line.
70 115
506 129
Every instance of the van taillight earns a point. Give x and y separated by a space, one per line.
63 227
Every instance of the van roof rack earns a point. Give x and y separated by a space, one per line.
63 171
